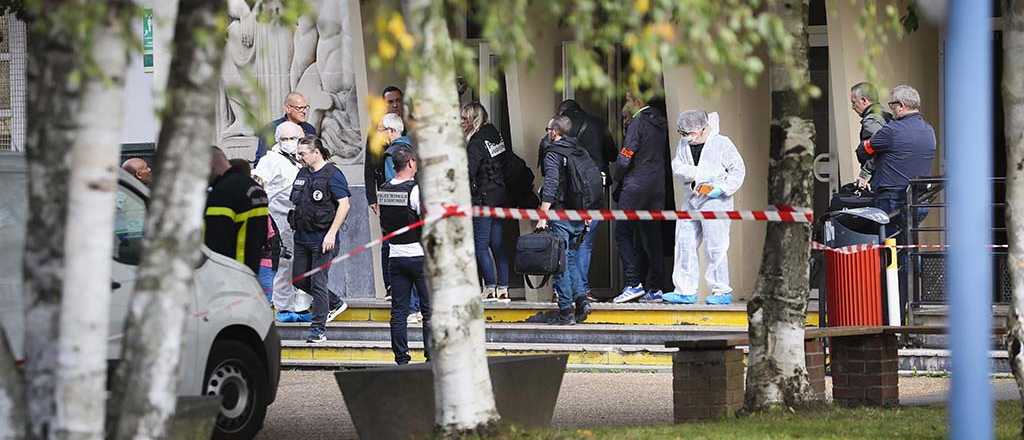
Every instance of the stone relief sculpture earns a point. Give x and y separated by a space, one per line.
314 58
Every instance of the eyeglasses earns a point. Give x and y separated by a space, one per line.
894 103
685 133
301 109
548 129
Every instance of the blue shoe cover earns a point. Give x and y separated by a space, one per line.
679 298
719 299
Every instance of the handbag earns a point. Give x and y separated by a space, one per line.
539 253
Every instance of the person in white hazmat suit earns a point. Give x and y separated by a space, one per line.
711 171
277 171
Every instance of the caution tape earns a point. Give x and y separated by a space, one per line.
786 215
782 214
430 218
864 247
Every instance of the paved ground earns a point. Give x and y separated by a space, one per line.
309 405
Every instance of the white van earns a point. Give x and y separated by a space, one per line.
231 347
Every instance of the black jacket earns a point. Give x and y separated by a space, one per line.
236 218
556 185
373 168
592 134
487 154
641 166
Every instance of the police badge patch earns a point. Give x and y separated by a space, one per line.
318 195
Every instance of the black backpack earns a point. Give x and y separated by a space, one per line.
519 182
586 187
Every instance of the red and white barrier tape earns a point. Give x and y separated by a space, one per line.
779 215
430 218
856 248
787 215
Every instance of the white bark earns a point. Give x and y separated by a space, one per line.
50 93
1013 109
85 308
777 370
463 396
146 385
12 394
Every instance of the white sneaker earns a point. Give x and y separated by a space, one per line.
489 294
415 318
501 294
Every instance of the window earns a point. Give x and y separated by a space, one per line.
12 84
129 225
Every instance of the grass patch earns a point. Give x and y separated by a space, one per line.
921 422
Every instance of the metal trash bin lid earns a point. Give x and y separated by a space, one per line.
869 213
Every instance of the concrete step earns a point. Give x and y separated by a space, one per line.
345 353
938 315
522 332
604 313
295 353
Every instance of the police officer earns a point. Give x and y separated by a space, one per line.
399 200
321 197
236 213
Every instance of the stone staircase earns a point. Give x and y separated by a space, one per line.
615 337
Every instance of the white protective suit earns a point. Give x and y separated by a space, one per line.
721 166
278 173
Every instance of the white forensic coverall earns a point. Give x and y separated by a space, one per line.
721 166
278 173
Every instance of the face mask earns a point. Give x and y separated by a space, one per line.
289 146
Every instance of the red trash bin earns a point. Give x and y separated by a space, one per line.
854 288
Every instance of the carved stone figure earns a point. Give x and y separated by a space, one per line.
322 69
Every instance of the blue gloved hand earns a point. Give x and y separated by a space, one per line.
716 193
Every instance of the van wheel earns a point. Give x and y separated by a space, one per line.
235 373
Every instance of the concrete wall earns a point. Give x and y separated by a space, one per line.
13 211
746 119
913 61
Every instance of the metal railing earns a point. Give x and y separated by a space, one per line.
927 266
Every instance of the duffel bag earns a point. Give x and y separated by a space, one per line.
539 253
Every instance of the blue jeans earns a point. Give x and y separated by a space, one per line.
266 278
490 251
406 275
584 252
568 284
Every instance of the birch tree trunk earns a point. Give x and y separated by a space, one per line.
1013 108
85 307
55 102
147 379
463 397
777 371
12 393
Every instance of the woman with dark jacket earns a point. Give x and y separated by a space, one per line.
486 151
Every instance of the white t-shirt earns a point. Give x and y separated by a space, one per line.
411 249
278 174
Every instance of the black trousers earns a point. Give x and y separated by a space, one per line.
305 257
640 250
406 273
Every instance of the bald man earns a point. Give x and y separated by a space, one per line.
139 168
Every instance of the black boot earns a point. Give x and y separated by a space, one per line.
565 317
583 309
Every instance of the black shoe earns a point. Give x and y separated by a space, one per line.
565 317
583 309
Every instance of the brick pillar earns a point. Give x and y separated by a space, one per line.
815 357
865 370
707 384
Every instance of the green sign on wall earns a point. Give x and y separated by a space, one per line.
147 40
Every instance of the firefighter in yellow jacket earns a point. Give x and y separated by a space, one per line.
236 213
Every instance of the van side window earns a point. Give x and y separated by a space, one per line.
129 222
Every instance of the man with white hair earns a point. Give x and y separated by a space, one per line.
276 172
711 171
902 150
